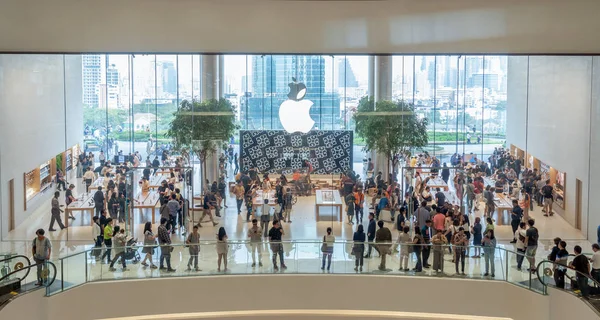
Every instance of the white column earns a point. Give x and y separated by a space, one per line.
210 90
382 88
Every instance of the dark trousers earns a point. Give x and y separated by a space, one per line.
370 247
419 265
99 210
559 278
520 258
515 225
359 213
163 258
117 256
425 251
239 203
108 244
459 255
61 183
180 218
277 249
582 284
97 247
88 183
56 218
171 223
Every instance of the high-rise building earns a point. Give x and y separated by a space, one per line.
112 75
169 77
92 75
346 77
271 76
244 84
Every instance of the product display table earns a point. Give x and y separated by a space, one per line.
328 198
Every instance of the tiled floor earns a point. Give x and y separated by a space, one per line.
303 228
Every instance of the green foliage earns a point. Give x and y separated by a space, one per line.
397 130
59 159
202 126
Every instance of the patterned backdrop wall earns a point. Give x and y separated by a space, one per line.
276 151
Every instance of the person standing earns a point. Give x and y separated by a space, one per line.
560 268
236 163
239 192
97 236
531 241
460 242
383 238
119 244
581 264
108 233
55 211
255 235
193 242
476 230
174 207
41 249
595 260
287 205
370 233
350 202
222 187
404 241
515 218
548 198
275 235
438 241
328 241
422 214
416 244
489 250
520 235
264 214
427 233
358 247
88 177
470 194
222 249
99 201
164 240
149 244
102 158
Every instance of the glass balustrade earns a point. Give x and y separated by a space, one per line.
300 257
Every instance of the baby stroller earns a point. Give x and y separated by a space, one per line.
131 252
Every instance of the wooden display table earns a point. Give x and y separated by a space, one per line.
147 200
259 199
84 202
328 198
435 183
98 183
487 181
503 205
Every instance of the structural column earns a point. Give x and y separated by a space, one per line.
211 75
382 90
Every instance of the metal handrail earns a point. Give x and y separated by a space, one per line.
13 272
541 276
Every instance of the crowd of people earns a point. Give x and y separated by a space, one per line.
426 221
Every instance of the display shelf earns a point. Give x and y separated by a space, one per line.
69 161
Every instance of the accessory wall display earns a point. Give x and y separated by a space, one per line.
276 151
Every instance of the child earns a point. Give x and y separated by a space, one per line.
193 240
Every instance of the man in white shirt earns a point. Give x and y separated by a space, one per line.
520 237
88 177
263 213
596 262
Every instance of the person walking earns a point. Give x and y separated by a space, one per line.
350 203
97 236
515 218
460 242
275 235
404 241
327 248
370 233
119 244
489 250
88 178
164 240
359 202
239 192
383 238
108 234
438 241
149 244
264 214
255 234
222 249
41 249
174 207
55 211
427 233
358 248
416 245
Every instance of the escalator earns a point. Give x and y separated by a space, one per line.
15 280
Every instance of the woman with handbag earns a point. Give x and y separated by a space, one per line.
222 249
358 248
149 245
327 248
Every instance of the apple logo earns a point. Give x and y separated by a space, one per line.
294 113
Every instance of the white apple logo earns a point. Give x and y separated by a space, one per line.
294 113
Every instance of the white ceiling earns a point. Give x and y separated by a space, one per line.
289 26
